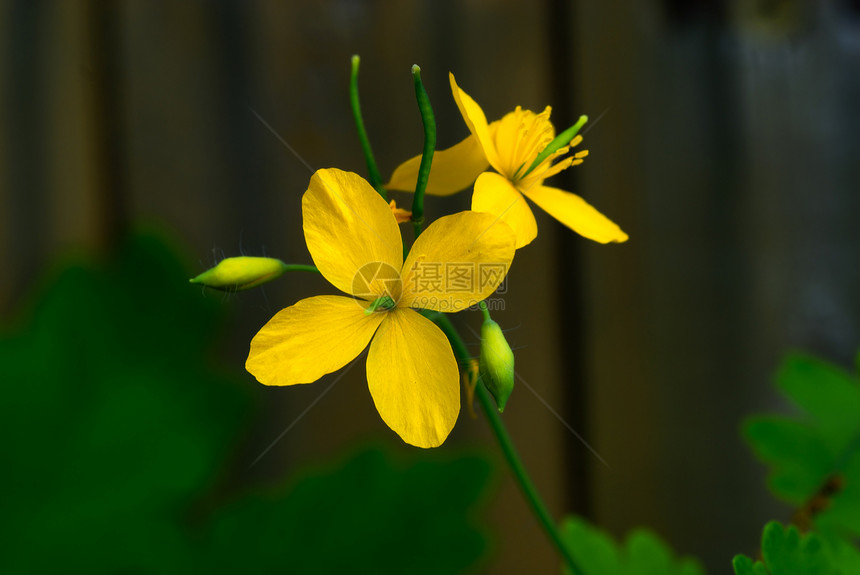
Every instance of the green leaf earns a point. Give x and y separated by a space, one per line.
118 428
367 515
820 449
786 552
643 554
745 566
799 456
114 418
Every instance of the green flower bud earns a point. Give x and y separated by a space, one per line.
497 363
237 274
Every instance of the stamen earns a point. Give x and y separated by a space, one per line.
523 132
533 132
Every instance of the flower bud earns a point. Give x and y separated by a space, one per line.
237 274
497 363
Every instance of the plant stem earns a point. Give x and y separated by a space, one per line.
525 482
301 268
508 449
372 170
483 305
429 121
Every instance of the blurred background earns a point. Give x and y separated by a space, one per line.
722 140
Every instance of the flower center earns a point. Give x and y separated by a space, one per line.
520 136
375 280
384 303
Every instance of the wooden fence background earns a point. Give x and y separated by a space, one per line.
726 148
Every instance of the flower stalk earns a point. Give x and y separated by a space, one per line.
374 177
485 310
512 457
429 122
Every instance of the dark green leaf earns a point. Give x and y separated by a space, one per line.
815 458
116 425
786 552
367 515
643 554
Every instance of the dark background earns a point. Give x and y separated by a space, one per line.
725 147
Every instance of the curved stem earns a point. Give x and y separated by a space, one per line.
508 449
372 170
525 482
429 121
484 310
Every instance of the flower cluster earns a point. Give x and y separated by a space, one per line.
353 237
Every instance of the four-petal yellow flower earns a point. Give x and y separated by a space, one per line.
354 240
509 145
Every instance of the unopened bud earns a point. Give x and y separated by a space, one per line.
497 363
241 273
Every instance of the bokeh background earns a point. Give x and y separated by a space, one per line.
722 139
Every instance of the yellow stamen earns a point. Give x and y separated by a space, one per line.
402 216
519 137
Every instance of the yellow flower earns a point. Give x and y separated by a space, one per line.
355 242
509 145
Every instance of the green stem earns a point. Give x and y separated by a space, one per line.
429 121
483 305
372 170
300 268
514 462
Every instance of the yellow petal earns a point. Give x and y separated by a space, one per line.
577 214
305 341
452 170
347 226
413 378
456 262
496 195
476 121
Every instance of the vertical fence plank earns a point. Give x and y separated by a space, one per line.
726 166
